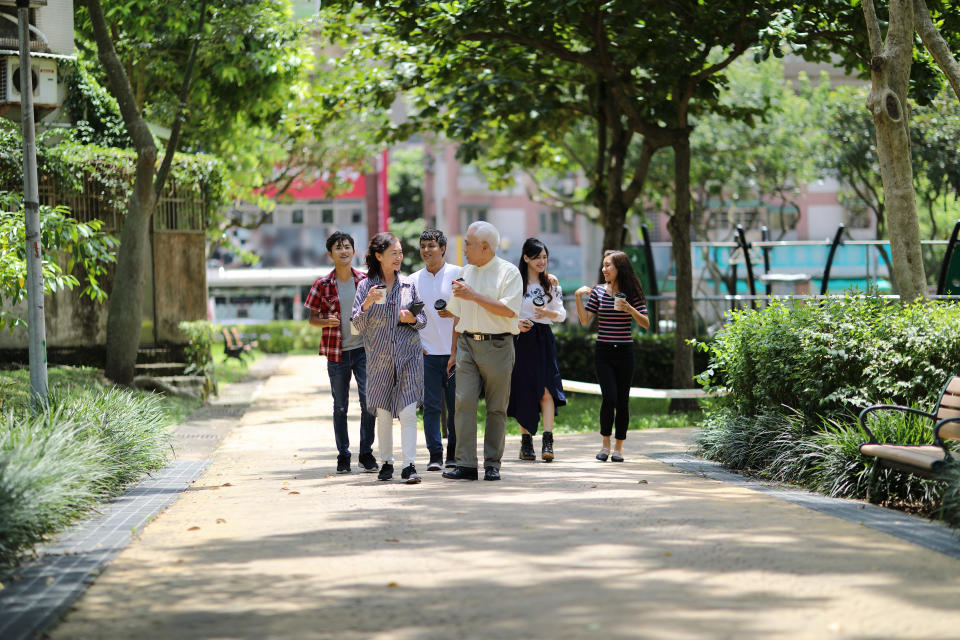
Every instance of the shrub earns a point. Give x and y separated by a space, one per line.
199 354
283 336
797 377
835 357
55 465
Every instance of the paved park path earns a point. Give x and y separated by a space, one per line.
270 543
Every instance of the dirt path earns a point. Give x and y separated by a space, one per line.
269 543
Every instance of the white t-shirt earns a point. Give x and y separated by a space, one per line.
498 279
437 336
556 304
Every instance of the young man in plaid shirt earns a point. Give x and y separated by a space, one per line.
330 302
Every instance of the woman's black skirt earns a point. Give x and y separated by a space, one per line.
534 370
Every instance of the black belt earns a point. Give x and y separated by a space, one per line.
487 336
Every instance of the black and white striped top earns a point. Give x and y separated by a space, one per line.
612 326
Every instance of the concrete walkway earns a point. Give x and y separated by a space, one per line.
270 543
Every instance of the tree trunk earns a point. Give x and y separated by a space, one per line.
615 216
890 76
679 227
126 298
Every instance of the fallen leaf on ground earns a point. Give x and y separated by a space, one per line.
226 484
593 486
294 493
392 584
667 554
642 482
284 489
390 540
193 529
221 521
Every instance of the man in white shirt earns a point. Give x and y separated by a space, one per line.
487 305
435 283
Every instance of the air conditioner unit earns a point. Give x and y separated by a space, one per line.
44 74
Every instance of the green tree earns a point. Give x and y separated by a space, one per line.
405 183
134 27
898 69
74 254
644 69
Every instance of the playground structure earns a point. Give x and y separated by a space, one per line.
733 274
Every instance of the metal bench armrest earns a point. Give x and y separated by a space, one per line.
937 440
888 407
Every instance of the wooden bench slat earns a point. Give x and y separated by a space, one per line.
946 412
950 431
919 456
953 386
950 400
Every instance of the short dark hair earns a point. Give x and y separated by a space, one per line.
436 235
339 237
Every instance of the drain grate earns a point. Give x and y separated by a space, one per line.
196 436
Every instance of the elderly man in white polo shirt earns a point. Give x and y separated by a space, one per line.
487 305
435 285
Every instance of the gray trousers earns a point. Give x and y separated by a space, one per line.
482 366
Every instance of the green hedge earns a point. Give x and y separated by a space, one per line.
282 336
654 356
796 379
574 350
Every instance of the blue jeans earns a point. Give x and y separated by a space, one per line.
436 390
355 362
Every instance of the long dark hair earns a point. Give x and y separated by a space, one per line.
378 244
532 248
627 280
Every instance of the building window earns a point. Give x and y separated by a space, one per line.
356 216
296 216
469 215
326 216
551 221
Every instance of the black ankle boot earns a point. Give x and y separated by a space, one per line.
526 447
546 451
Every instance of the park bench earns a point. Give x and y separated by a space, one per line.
927 460
233 344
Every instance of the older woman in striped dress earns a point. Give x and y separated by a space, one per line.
394 354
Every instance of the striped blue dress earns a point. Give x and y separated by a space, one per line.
394 352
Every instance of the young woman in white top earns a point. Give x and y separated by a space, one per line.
535 387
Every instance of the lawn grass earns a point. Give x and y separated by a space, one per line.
582 414
229 370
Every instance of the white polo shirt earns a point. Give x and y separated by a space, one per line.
498 279
437 336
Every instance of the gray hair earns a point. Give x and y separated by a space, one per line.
485 232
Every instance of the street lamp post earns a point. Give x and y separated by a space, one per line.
31 204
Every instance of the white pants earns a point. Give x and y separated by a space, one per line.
408 434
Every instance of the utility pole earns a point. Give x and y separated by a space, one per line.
31 204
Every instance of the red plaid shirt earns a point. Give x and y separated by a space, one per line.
324 298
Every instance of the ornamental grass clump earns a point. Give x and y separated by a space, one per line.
48 478
797 378
55 465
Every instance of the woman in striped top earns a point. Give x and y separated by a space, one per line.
617 304
381 314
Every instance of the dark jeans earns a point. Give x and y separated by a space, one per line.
355 362
614 364
437 390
